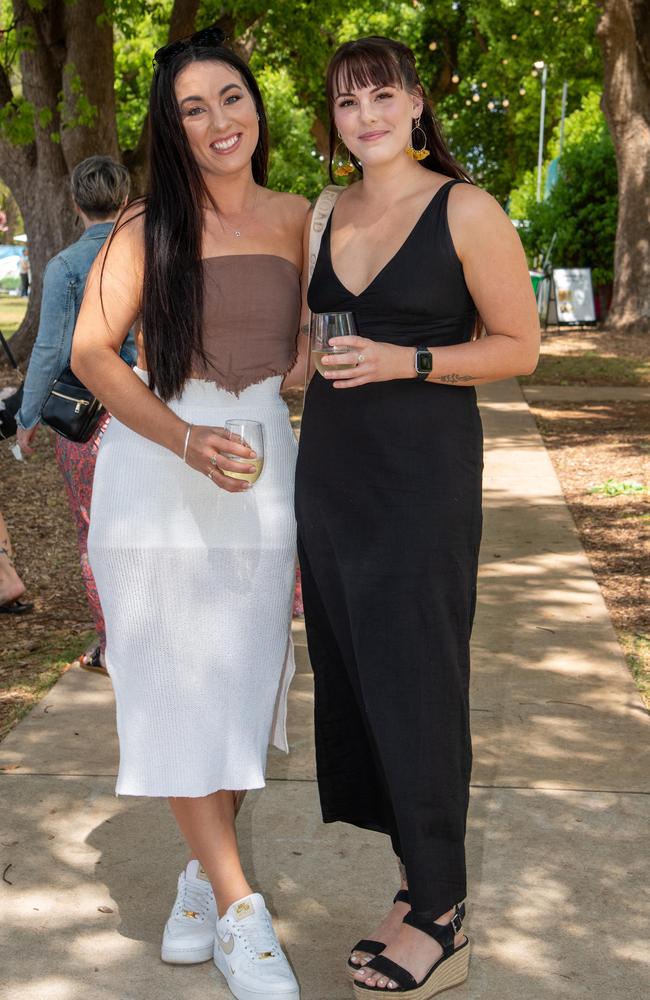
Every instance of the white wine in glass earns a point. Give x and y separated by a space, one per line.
249 433
324 326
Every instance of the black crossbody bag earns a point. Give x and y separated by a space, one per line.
70 409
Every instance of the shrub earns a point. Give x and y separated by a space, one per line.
581 208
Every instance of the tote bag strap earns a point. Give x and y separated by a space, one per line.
323 208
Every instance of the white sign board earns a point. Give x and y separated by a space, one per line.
573 301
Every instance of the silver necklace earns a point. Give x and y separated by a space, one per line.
236 232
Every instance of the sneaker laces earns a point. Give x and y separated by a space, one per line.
194 897
259 936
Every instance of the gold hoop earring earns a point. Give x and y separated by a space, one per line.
343 169
423 152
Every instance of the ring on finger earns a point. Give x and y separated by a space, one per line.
360 359
210 475
213 460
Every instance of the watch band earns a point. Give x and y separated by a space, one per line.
422 373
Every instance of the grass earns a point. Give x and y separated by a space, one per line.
12 310
589 368
25 680
636 647
614 488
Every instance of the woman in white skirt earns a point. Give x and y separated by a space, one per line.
195 569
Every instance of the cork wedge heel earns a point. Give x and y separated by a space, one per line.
450 970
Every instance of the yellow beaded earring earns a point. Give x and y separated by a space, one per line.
343 169
423 152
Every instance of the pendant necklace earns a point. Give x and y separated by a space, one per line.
226 227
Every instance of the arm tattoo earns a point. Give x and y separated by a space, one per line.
305 329
454 379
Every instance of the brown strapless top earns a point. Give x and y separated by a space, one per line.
251 315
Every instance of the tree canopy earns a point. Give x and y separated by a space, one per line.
476 59
74 77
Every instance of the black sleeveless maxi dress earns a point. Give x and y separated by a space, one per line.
388 503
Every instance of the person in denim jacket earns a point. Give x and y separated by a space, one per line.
100 188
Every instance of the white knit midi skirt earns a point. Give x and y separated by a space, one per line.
196 586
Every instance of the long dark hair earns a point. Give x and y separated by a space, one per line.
172 296
382 62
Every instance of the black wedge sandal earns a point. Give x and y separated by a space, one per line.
450 970
373 947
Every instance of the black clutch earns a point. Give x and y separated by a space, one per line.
71 409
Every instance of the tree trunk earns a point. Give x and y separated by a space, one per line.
93 64
38 173
624 33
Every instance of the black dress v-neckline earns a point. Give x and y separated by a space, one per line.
328 241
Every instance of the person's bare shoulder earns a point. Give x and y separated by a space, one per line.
129 227
292 207
473 214
124 248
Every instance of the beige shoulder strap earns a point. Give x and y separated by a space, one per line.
322 210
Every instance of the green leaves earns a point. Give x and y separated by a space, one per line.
612 488
17 121
294 162
475 57
582 207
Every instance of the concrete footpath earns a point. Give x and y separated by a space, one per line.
558 828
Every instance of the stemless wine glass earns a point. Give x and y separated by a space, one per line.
250 433
323 327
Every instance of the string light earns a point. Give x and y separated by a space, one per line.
505 62
536 13
522 91
514 37
433 46
476 97
468 103
505 102
484 84
455 78
556 18
491 105
533 72
455 114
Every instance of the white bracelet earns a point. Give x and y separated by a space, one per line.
187 441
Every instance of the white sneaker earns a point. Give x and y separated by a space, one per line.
189 932
249 955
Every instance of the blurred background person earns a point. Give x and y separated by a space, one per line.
100 188
24 272
12 587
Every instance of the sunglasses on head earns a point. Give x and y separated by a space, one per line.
207 38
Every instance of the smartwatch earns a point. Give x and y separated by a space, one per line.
423 362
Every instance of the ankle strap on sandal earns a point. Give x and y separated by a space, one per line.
402 897
442 933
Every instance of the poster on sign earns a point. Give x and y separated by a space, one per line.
572 297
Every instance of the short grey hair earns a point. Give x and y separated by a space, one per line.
100 186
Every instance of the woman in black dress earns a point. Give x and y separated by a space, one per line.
388 497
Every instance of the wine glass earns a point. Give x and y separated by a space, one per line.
250 433
324 326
